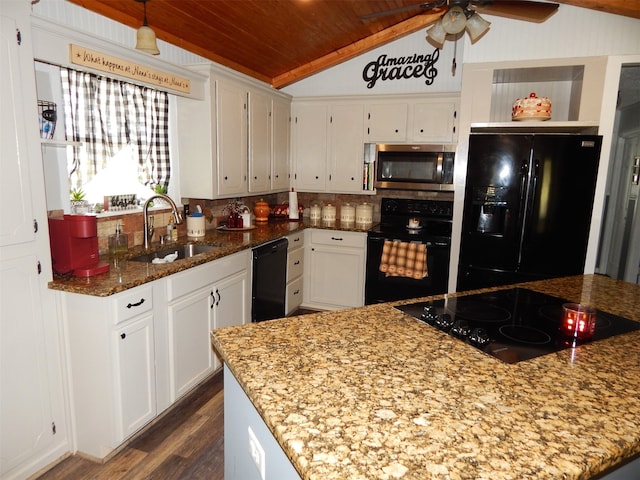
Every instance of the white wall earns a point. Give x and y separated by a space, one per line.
570 32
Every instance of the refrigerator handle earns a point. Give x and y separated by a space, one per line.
528 179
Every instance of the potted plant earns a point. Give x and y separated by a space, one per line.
78 204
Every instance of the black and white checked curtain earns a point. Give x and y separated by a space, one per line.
106 115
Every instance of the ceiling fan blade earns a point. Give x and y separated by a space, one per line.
421 6
516 9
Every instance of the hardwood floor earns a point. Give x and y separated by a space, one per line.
187 443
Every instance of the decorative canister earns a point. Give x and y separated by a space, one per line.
347 213
364 213
261 211
315 211
329 213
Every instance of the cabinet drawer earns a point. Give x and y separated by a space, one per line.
339 238
133 302
294 295
295 264
296 240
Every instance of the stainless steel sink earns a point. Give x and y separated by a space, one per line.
184 251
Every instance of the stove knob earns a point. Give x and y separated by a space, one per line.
444 322
429 314
461 329
479 337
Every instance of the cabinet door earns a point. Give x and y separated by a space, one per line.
387 122
280 124
335 276
16 213
310 147
434 122
231 305
232 138
346 148
190 356
26 416
135 372
259 142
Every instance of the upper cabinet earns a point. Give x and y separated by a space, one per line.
413 119
17 225
226 141
328 147
574 86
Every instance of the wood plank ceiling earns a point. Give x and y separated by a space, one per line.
282 41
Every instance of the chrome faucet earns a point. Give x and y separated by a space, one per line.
148 226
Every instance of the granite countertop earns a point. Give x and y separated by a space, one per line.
130 274
371 393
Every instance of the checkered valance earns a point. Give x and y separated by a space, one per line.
106 115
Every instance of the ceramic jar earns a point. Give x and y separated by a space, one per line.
347 213
329 213
315 211
261 211
364 213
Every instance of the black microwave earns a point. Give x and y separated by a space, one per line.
414 167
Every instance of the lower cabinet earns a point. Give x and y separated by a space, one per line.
111 351
334 269
209 296
132 354
295 267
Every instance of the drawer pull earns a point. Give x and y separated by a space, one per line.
297 239
123 335
337 238
296 292
297 262
130 305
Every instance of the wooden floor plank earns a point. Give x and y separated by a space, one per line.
186 443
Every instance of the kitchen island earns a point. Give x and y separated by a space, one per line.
372 393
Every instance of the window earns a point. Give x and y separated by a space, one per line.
124 135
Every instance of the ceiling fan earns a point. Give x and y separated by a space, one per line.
459 15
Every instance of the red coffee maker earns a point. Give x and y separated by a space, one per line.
74 246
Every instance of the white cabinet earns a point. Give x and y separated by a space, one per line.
334 269
111 350
280 144
212 295
269 126
434 121
295 269
235 141
259 142
423 119
33 424
231 107
328 147
309 146
387 122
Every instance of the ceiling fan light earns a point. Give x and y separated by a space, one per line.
477 26
454 20
436 33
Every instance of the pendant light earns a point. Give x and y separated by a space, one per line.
146 37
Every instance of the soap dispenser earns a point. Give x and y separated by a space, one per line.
118 245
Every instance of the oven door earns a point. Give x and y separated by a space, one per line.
381 288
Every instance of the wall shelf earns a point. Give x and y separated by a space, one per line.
59 143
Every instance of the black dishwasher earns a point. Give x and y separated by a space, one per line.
269 282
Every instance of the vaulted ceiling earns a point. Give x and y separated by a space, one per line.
282 41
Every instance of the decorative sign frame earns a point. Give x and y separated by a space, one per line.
109 64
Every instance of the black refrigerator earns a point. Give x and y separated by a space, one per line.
527 207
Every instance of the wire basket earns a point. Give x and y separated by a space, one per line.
47 117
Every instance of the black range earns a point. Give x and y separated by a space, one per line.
512 325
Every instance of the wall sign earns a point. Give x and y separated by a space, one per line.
107 63
397 68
